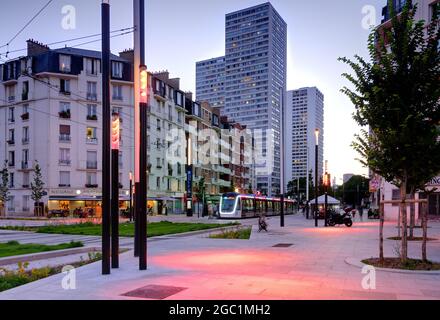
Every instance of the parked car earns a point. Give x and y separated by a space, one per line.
58 213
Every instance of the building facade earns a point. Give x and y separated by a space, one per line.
255 82
387 191
304 113
210 82
51 114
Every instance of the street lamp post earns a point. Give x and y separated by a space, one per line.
316 176
115 191
106 136
282 182
327 184
131 197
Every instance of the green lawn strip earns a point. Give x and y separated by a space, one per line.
155 229
13 248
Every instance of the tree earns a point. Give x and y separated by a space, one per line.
37 187
250 189
397 95
354 190
4 185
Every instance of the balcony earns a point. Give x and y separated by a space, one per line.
25 116
11 142
11 120
65 92
92 96
11 98
25 141
92 165
65 114
65 138
91 140
25 186
64 185
92 117
118 98
91 186
65 162
24 165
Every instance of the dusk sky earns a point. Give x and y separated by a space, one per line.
181 32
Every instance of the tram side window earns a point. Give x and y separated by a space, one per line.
248 205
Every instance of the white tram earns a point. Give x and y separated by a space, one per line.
241 206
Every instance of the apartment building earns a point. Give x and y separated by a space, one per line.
388 191
254 82
210 82
50 113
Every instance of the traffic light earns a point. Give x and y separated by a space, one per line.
144 84
115 132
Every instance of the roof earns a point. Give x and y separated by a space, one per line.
321 200
87 53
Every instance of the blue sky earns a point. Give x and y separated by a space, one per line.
181 32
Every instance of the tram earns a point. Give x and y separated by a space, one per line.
242 206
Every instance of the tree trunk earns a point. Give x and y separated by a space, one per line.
399 222
382 221
425 232
412 217
404 216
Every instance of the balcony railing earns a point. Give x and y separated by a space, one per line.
64 185
65 138
91 140
25 141
64 162
92 165
91 186
11 142
119 98
11 120
65 114
24 165
92 117
11 164
92 96
11 98
24 96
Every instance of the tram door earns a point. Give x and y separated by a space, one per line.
434 204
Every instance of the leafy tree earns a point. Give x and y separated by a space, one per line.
397 95
250 190
4 184
354 190
37 186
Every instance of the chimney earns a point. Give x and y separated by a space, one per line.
35 48
127 55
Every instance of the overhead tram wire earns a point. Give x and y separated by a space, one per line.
27 24
72 40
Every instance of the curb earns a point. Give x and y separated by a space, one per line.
46 255
356 262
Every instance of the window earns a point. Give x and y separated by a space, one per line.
25 158
92 136
92 114
26 203
179 99
25 138
64 179
117 92
65 157
64 86
25 93
11 204
158 124
10 92
158 182
91 91
11 158
65 63
11 116
158 163
26 180
92 160
117 68
179 117
11 136
11 180
65 110
25 114
91 180
93 66
64 133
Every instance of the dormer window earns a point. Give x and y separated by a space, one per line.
117 68
93 66
65 63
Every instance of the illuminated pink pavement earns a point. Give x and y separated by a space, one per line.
311 265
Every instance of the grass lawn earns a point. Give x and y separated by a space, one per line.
13 248
155 229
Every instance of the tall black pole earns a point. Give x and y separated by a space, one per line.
143 152
106 147
115 208
326 205
131 198
316 185
282 182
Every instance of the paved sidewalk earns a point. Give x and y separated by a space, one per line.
310 265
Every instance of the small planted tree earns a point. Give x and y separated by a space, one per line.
397 95
4 187
37 187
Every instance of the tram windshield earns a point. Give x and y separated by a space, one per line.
228 204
